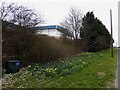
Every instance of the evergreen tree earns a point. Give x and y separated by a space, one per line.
94 35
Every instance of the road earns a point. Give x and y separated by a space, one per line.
0 83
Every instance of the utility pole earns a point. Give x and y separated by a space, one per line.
111 41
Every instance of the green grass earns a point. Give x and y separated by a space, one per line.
86 70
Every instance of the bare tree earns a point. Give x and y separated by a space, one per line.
6 11
20 15
73 22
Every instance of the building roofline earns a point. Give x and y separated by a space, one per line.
59 28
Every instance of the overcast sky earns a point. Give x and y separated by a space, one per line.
54 11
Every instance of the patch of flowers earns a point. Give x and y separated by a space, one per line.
62 67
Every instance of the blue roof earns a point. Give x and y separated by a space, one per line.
47 27
59 28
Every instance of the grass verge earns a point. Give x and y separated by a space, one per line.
86 70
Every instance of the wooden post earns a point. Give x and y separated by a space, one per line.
111 41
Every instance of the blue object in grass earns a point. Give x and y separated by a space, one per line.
18 63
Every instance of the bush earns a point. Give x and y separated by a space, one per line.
29 47
47 49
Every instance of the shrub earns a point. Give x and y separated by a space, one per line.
47 49
30 48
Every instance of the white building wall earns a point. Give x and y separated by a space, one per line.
51 32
